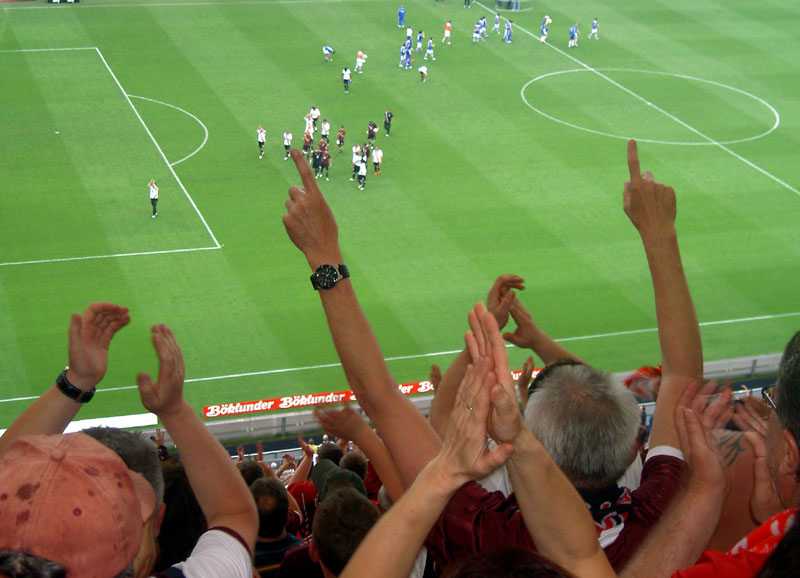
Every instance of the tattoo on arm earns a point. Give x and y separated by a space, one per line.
730 445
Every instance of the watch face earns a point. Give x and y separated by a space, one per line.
326 276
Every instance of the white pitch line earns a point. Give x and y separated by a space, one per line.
189 114
115 255
9 51
124 4
158 148
655 107
434 354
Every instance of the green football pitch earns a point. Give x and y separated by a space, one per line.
510 159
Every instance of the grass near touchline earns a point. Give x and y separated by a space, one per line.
474 184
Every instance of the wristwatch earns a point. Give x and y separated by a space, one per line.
71 391
326 276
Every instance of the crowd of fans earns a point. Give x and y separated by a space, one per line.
546 475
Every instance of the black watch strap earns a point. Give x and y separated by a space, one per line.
71 391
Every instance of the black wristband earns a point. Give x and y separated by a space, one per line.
71 391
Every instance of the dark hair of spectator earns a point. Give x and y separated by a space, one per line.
251 471
272 501
138 453
183 522
330 451
340 524
355 462
339 478
506 563
21 565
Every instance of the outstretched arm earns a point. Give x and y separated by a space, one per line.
220 489
400 532
90 335
302 471
528 335
345 423
312 228
682 534
651 208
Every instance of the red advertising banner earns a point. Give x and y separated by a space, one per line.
306 400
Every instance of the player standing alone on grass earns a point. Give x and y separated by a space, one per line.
346 77
496 25
545 21
153 197
262 138
401 16
387 121
448 27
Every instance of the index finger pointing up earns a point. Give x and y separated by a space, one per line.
633 161
309 182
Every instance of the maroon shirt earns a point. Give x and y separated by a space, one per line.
476 520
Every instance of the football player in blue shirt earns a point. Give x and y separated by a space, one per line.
429 52
420 37
496 22
573 35
594 30
401 16
507 34
545 22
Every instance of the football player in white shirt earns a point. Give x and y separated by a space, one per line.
377 159
325 130
346 77
356 160
361 58
314 112
287 143
362 174
153 188
262 137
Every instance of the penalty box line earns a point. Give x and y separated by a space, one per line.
656 107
